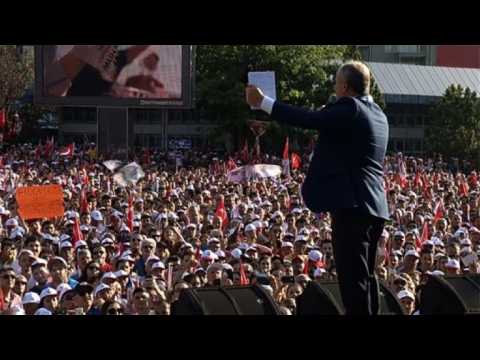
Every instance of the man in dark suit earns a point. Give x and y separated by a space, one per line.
345 177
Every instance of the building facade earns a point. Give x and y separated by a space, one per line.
465 56
400 54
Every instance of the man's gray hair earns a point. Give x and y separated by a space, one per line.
357 76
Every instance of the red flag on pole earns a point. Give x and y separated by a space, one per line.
438 211
77 234
424 237
83 201
3 118
68 151
463 188
296 161
243 277
221 212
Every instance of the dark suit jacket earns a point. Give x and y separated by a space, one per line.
347 167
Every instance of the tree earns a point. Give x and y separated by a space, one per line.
304 74
16 75
455 124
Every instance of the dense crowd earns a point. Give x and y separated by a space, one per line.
132 250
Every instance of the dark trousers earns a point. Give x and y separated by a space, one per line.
355 237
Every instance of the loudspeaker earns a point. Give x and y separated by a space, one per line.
325 299
455 294
234 300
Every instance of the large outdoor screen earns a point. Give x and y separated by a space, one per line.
109 75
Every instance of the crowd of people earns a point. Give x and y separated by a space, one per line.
132 250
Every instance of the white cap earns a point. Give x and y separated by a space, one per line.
318 272
466 242
62 289
31 298
438 273
11 222
405 294
297 211
121 273
158 265
207 254
26 251
191 226
109 275
64 237
315 255
236 253
48 291
452 264
412 253
65 244
84 228
126 257
300 238
59 259
250 227
39 261
220 253
227 266
287 244
17 232
304 231
100 288
96 215
43 311
212 240
107 241
3 211
80 243
399 233
276 214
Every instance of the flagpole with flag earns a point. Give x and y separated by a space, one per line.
286 159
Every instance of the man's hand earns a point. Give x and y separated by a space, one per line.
254 96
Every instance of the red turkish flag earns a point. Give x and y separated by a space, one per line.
221 212
3 118
296 161
77 234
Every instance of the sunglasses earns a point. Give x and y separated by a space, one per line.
114 311
8 277
147 247
94 268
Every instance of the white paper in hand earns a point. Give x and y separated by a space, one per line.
265 81
112 165
130 173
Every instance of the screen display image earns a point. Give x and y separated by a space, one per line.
86 74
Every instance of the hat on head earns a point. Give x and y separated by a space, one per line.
315 255
209 255
39 262
57 259
48 291
220 254
158 265
452 264
101 288
236 253
412 253
109 275
250 227
122 273
287 244
96 215
399 234
405 294
80 243
65 244
213 240
300 238
11 222
31 298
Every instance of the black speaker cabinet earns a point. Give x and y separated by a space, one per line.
451 295
325 299
234 300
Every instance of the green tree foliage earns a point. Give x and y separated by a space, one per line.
304 75
455 124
